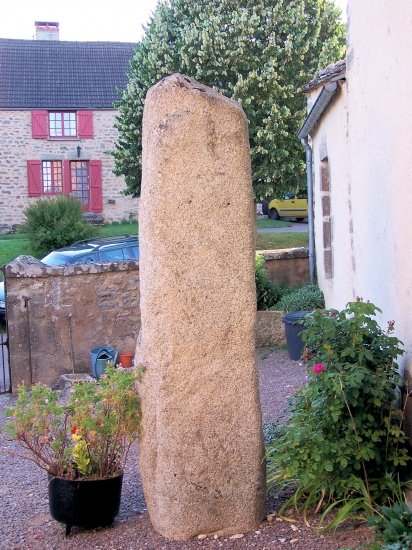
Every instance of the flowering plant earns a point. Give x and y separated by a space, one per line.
90 436
344 433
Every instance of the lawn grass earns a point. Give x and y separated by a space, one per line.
274 241
11 248
109 230
267 223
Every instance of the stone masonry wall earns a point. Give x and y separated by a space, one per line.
17 146
287 267
102 299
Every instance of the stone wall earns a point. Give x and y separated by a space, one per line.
105 297
287 267
18 146
102 299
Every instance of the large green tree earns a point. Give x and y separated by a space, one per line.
258 52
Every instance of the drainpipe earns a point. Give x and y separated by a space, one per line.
311 227
311 120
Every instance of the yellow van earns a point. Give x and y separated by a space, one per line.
293 205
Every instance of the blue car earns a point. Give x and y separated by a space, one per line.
101 249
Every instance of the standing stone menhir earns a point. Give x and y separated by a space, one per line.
202 447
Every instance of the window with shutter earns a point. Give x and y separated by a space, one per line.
96 185
52 178
62 124
39 125
33 178
85 124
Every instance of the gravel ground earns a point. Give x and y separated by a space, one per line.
25 522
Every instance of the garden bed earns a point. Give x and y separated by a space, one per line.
26 522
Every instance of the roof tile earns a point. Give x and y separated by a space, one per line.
334 71
42 74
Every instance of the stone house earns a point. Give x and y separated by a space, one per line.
358 131
57 123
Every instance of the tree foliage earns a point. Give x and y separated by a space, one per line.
257 52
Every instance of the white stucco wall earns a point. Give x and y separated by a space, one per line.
330 142
367 133
380 122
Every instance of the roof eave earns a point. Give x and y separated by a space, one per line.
318 108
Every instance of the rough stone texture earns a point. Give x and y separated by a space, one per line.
287 267
201 450
103 300
269 328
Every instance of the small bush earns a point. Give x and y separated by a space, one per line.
305 298
267 293
54 223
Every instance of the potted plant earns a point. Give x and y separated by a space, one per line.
83 444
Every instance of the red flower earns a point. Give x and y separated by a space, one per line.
74 430
20 436
318 368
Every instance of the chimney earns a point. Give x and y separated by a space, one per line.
46 30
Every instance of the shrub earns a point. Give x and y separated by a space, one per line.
307 297
343 441
55 222
394 526
267 293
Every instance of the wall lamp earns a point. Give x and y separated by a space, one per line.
78 151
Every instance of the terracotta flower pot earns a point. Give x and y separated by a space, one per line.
126 359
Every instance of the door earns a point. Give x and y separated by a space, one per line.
79 179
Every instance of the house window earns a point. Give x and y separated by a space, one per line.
62 125
52 179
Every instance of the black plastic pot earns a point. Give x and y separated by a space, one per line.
85 503
293 329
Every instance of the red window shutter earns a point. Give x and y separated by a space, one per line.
39 124
96 185
33 178
67 188
85 124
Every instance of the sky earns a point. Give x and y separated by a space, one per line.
83 20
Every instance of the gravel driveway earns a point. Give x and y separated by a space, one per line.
25 522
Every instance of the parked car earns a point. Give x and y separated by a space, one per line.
293 205
100 249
